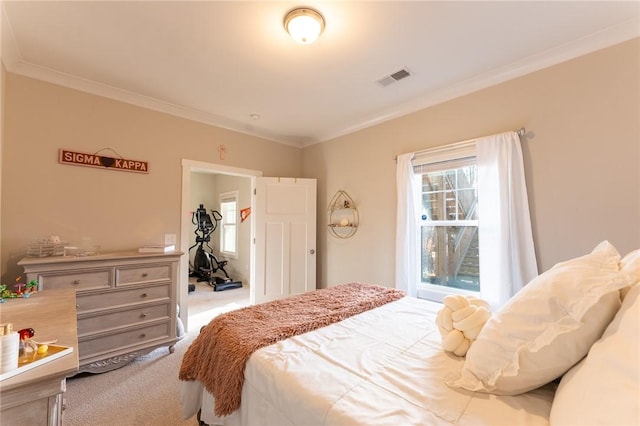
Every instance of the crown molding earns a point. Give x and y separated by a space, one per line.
14 63
114 93
608 37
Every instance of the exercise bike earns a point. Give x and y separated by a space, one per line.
205 263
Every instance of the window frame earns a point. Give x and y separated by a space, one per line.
429 161
226 224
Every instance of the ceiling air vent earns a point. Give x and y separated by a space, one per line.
396 76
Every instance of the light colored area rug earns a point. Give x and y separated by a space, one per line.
146 392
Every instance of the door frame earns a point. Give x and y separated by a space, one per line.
188 167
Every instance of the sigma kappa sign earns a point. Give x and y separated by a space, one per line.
100 161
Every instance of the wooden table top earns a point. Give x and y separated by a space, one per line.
52 314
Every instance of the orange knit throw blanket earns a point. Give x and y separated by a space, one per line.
218 355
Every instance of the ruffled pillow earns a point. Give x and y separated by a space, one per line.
460 322
547 327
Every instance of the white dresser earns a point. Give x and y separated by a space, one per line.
125 302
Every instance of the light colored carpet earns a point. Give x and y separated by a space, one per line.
204 303
146 392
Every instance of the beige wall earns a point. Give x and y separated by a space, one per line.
582 160
204 191
117 210
3 74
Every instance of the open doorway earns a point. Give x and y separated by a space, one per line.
204 183
219 247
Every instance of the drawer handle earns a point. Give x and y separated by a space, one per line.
143 315
76 282
144 275
143 335
143 295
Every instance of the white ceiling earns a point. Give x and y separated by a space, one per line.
220 62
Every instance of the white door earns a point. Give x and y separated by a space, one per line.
284 249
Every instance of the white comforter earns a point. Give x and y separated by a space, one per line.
382 367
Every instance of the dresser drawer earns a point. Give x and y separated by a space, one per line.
80 280
117 319
142 274
113 299
121 341
125 302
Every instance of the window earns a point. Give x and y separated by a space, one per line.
449 228
458 203
228 230
449 258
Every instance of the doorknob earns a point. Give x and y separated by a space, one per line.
312 251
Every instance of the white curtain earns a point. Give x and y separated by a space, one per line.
407 236
507 254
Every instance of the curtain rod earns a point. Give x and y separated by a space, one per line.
521 132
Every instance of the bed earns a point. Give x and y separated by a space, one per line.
386 365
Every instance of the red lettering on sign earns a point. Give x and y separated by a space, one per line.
94 160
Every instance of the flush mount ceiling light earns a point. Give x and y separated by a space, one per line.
304 24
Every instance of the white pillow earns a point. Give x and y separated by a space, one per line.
631 265
604 389
547 327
